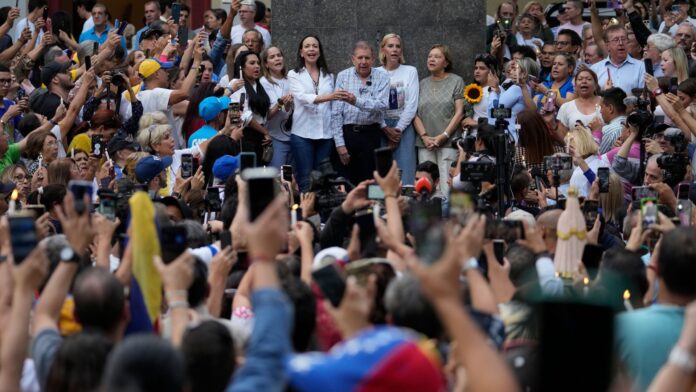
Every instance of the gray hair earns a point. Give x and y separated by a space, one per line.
249 3
195 234
529 66
690 26
662 41
408 307
363 45
54 245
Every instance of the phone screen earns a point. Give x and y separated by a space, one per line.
642 192
97 146
461 206
590 209
262 191
174 240
23 237
499 250
603 175
383 160
176 12
186 165
107 206
247 160
286 171
426 226
374 192
683 193
331 283
366 223
225 239
79 189
648 66
88 63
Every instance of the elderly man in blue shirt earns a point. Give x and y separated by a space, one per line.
619 69
100 31
356 117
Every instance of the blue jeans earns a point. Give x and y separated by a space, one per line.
282 153
308 153
405 153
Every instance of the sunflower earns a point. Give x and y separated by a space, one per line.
473 93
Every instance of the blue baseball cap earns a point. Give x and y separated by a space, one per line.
210 107
150 167
225 166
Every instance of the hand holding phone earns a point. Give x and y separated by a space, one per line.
603 178
383 160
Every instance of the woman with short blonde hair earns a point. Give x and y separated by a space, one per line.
584 150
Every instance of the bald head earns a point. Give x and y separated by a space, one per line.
548 224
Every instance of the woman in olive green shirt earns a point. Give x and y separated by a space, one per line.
440 109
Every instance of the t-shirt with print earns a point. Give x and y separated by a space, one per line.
157 100
202 134
436 104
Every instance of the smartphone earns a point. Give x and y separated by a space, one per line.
683 191
642 192
95 48
673 85
366 222
286 171
23 236
603 176
235 113
183 32
122 27
261 188
374 192
242 100
174 240
427 228
45 18
648 212
684 207
79 189
97 146
212 199
194 165
590 210
186 165
331 283
36 209
225 239
176 12
461 206
558 162
587 331
88 62
408 191
20 94
247 160
649 66
49 25
383 160
507 230
107 205
499 250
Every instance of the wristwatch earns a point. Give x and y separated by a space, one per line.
470 264
68 255
657 91
682 359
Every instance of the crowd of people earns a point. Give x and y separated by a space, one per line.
184 210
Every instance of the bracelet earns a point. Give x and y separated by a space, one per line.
446 134
179 305
682 359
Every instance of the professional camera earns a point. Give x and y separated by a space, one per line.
678 141
478 171
467 143
501 113
324 183
673 167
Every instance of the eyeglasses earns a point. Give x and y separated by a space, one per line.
619 40
561 43
20 178
6 81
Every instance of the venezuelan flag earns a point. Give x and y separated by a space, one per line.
145 245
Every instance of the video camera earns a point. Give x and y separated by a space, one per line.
324 183
478 171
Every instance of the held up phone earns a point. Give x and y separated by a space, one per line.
603 176
374 192
88 63
590 210
648 212
20 94
225 239
649 67
174 240
683 191
247 160
235 113
45 18
286 171
408 191
107 205
642 192
242 100
461 206
331 283
183 32
22 235
212 199
673 85
507 230
97 146
186 165
499 250
426 226
261 188
36 209
383 160
122 27
366 223
558 162
49 25
95 48
176 12
79 189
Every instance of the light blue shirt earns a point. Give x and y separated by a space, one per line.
136 40
511 98
202 134
91 35
626 76
372 99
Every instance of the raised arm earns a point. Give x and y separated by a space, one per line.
189 83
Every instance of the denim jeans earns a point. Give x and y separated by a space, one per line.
307 154
282 153
405 153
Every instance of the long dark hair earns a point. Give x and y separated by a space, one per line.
191 117
534 136
321 62
258 99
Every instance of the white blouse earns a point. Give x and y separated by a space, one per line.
310 120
